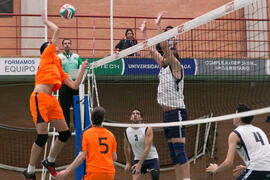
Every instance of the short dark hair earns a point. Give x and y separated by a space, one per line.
137 110
97 115
244 108
168 27
129 30
65 39
43 47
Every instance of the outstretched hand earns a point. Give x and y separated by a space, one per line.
61 175
143 29
238 170
44 17
157 20
84 64
52 26
212 168
127 167
143 26
136 169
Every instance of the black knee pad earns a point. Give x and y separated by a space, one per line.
41 139
155 174
64 135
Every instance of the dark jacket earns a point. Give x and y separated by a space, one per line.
124 44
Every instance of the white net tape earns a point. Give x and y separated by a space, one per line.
192 122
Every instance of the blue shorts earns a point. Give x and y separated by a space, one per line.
249 174
176 115
149 164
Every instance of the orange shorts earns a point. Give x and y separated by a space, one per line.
44 107
99 176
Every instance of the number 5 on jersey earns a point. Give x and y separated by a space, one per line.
102 142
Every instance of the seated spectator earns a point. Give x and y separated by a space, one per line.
172 44
126 42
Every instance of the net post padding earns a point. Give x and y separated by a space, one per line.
203 19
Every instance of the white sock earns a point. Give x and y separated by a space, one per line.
31 169
50 159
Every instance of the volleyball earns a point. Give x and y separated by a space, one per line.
67 11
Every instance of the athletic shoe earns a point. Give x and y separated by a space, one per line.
50 166
28 176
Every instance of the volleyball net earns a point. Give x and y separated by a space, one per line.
224 54
225 57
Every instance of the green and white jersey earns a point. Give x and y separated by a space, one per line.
70 61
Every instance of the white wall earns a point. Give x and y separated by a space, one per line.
32 7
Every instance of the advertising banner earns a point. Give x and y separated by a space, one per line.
141 66
148 66
18 66
113 68
231 66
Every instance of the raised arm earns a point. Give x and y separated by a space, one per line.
228 162
53 27
154 53
79 159
148 142
75 84
168 54
157 21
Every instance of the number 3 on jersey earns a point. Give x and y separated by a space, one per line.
102 142
258 137
136 137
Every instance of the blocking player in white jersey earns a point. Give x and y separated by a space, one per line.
252 145
171 98
140 140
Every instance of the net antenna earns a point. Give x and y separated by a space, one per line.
94 90
92 84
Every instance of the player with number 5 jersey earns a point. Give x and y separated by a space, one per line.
99 150
252 145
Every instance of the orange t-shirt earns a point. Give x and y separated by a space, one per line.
50 70
99 144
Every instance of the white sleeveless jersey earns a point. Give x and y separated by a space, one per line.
170 89
254 148
136 137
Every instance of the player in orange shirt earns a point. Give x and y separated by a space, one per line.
45 107
99 150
